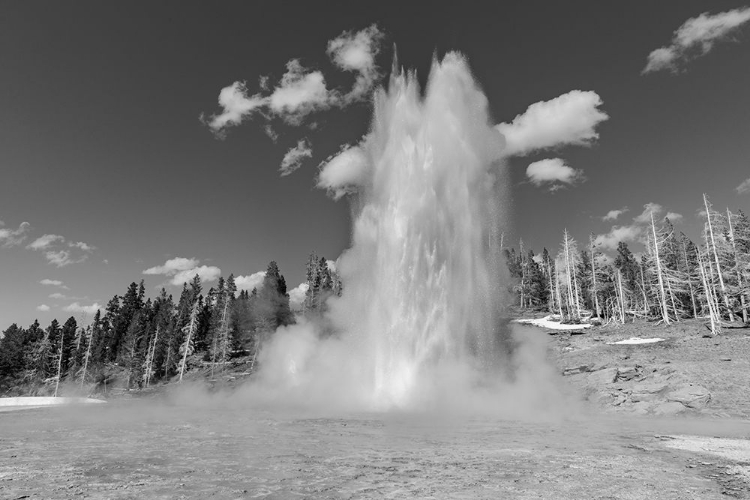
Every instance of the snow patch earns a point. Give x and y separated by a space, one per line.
46 401
549 322
636 340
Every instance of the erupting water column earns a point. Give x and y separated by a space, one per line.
421 285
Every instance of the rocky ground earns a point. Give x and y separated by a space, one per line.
690 373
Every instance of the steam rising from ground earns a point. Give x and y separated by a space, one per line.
419 324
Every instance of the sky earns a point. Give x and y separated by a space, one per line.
120 161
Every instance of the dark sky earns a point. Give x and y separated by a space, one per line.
101 140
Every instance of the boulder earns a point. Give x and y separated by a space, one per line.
692 396
627 373
605 376
671 408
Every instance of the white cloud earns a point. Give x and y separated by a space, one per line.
53 246
45 241
673 216
695 38
648 209
206 273
569 119
13 237
236 105
297 296
183 270
637 230
294 157
299 93
82 246
617 234
552 172
49 282
744 187
42 307
173 266
75 307
343 172
356 52
251 281
614 214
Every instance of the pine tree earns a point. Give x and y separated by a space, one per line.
187 347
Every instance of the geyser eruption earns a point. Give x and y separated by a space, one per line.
420 279
418 321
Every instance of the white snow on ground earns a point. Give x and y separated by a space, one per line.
636 340
547 322
46 401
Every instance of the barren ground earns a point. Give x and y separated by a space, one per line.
659 437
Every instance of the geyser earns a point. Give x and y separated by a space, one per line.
420 308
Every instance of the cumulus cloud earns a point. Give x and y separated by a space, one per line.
13 237
744 187
60 254
356 52
302 91
614 214
648 209
75 307
637 230
182 270
617 234
343 172
299 93
49 282
251 281
173 266
553 173
45 241
294 157
695 38
205 273
569 119
673 216
42 307
297 296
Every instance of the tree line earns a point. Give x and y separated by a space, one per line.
159 339
674 279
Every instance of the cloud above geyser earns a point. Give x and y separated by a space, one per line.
60 252
302 91
344 172
293 158
356 52
569 119
695 38
75 307
13 237
553 173
637 230
182 270
251 281
614 214
744 187
42 307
